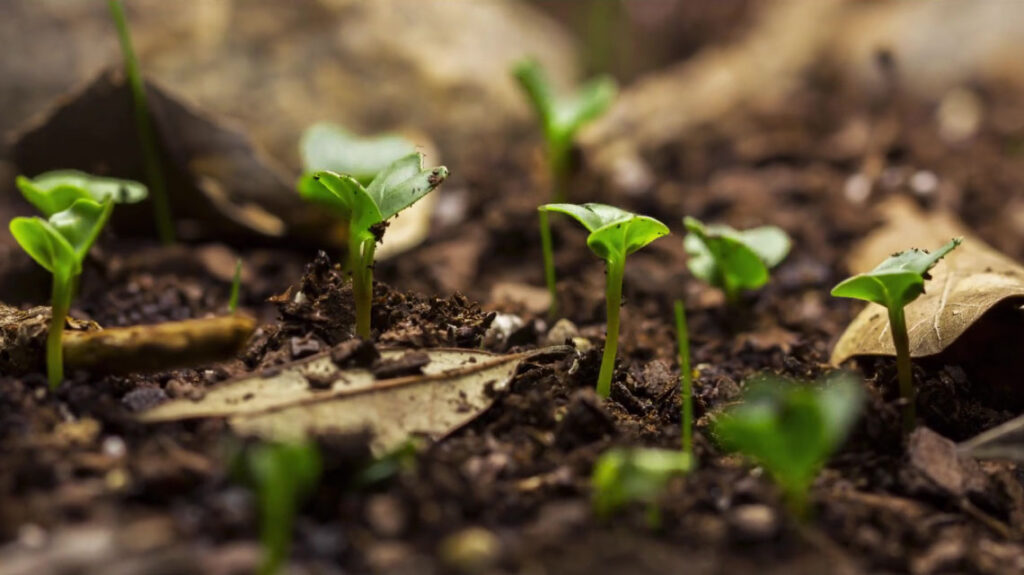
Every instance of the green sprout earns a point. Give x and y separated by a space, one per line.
367 210
282 475
561 118
792 429
614 234
327 146
147 136
55 191
60 244
623 476
236 287
685 379
734 260
896 282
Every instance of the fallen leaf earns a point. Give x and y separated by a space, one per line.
284 404
965 285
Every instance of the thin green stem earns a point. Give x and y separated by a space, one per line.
549 263
558 158
901 341
147 137
236 287
277 500
685 379
361 263
613 300
62 290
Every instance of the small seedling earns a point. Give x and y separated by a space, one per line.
330 147
561 118
55 191
147 136
734 260
236 287
282 475
791 429
685 379
896 282
60 244
367 210
614 234
623 476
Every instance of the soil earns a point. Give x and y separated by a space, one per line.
509 492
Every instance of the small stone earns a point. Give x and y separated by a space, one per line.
143 398
114 447
300 347
471 550
502 327
754 522
563 331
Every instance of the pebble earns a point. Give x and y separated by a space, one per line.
754 522
471 550
563 331
143 398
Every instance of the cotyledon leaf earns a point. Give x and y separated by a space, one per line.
292 402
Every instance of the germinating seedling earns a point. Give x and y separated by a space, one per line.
60 244
791 429
55 191
614 234
367 209
561 118
896 282
734 260
327 146
236 287
281 474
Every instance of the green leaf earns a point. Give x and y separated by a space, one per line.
327 146
587 104
55 191
622 476
347 197
791 429
614 233
896 281
60 244
534 82
733 259
403 183
81 224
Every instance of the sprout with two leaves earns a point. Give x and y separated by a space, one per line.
614 234
367 210
896 282
55 191
734 260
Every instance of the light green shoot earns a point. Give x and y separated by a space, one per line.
55 191
236 288
614 234
792 429
561 118
685 379
734 260
60 244
896 282
147 136
367 209
623 476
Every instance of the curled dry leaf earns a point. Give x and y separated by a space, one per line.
965 285
292 402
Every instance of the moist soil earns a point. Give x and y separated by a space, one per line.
509 493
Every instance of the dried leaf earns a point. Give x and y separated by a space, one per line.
964 286
1004 441
293 402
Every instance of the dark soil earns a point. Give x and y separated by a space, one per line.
509 493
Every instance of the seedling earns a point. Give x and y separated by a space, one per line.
734 260
60 244
623 476
367 210
327 146
791 430
896 282
614 234
561 118
236 287
147 136
685 379
282 474
55 191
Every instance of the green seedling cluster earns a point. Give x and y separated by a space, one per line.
791 429
614 234
896 282
281 474
367 210
562 118
734 260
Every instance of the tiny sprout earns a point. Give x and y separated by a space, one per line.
55 191
367 209
685 379
896 282
327 146
791 429
734 260
236 287
282 475
622 476
614 234
561 118
60 244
